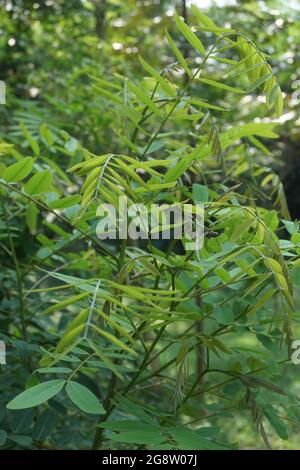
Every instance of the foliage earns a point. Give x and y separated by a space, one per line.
145 343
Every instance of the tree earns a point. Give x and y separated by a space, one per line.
109 329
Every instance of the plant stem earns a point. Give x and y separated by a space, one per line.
113 380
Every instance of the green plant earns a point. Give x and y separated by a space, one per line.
148 335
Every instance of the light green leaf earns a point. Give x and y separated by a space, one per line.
39 183
220 85
279 104
33 142
65 303
46 134
175 171
189 35
204 104
204 19
178 55
3 437
143 97
163 83
200 193
139 437
258 82
188 440
31 217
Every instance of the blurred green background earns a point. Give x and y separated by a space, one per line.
49 49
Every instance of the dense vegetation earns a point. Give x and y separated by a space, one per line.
146 343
